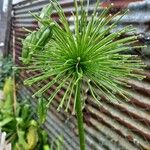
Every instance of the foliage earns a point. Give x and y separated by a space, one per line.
5 70
23 132
36 39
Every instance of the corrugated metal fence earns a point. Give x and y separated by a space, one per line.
124 126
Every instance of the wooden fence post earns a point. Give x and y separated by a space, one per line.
8 29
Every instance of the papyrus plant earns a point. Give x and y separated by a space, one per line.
90 53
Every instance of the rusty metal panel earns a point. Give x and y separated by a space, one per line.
119 126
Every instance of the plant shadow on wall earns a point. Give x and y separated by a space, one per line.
89 55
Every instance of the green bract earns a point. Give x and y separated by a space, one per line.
91 54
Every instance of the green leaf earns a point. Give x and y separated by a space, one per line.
5 121
41 110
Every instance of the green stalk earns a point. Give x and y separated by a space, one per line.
79 114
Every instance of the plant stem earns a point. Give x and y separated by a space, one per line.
79 114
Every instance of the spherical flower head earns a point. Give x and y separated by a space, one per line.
90 53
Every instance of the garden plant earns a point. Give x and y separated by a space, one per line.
19 128
23 132
89 54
